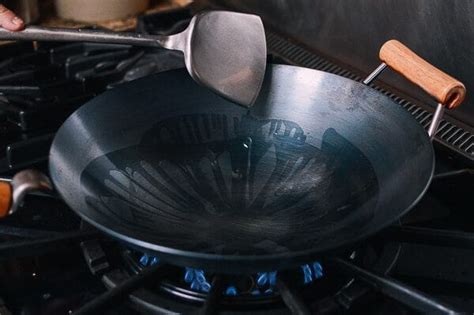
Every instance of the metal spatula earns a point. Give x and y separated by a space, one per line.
224 51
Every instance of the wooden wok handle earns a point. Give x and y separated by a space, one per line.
5 198
444 88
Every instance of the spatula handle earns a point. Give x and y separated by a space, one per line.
73 35
444 88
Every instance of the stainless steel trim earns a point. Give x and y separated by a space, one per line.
25 182
375 73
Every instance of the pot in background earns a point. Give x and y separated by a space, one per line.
95 11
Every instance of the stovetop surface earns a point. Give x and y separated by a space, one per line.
40 86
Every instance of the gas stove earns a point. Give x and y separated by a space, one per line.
53 263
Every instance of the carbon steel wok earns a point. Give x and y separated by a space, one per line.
318 163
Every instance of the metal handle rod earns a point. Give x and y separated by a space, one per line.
371 77
72 35
438 115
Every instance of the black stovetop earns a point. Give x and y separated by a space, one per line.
52 263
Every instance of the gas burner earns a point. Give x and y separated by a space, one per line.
262 283
185 289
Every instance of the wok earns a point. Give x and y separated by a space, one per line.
319 163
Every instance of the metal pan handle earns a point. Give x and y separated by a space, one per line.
448 91
6 191
71 35
12 192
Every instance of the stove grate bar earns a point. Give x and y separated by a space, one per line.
112 298
428 236
295 54
211 304
396 290
30 248
291 297
6 230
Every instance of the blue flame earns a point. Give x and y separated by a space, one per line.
196 279
231 291
144 260
308 275
262 279
265 281
312 272
318 270
266 278
147 260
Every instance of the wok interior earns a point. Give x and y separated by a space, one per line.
234 185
